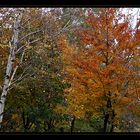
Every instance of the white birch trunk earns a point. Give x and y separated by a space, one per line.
10 70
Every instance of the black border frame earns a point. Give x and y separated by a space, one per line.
69 3
76 4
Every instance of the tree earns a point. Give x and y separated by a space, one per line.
10 71
43 71
68 69
18 40
99 68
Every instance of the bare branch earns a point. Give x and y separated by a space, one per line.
21 79
28 44
21 76
29 35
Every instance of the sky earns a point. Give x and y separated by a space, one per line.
135 12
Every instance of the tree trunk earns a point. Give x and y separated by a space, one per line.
61 129
26 122
106 119
72 124
107 115
10 70
112 128
50 126
112 118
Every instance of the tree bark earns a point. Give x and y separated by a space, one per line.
106 114
72 124
26 122
112 128
112 118
50 125
10 70
106 119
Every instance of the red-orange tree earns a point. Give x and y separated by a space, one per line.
100 66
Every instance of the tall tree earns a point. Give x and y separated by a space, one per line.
99 68
10 69
18 40
37 35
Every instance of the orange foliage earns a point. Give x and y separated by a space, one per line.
104 68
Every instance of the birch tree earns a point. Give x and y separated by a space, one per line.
27 28
10 70
18 45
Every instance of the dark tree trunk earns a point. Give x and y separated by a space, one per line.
106 119
106 114
61 129
26 122
50 125
112 128
72 124
112 125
